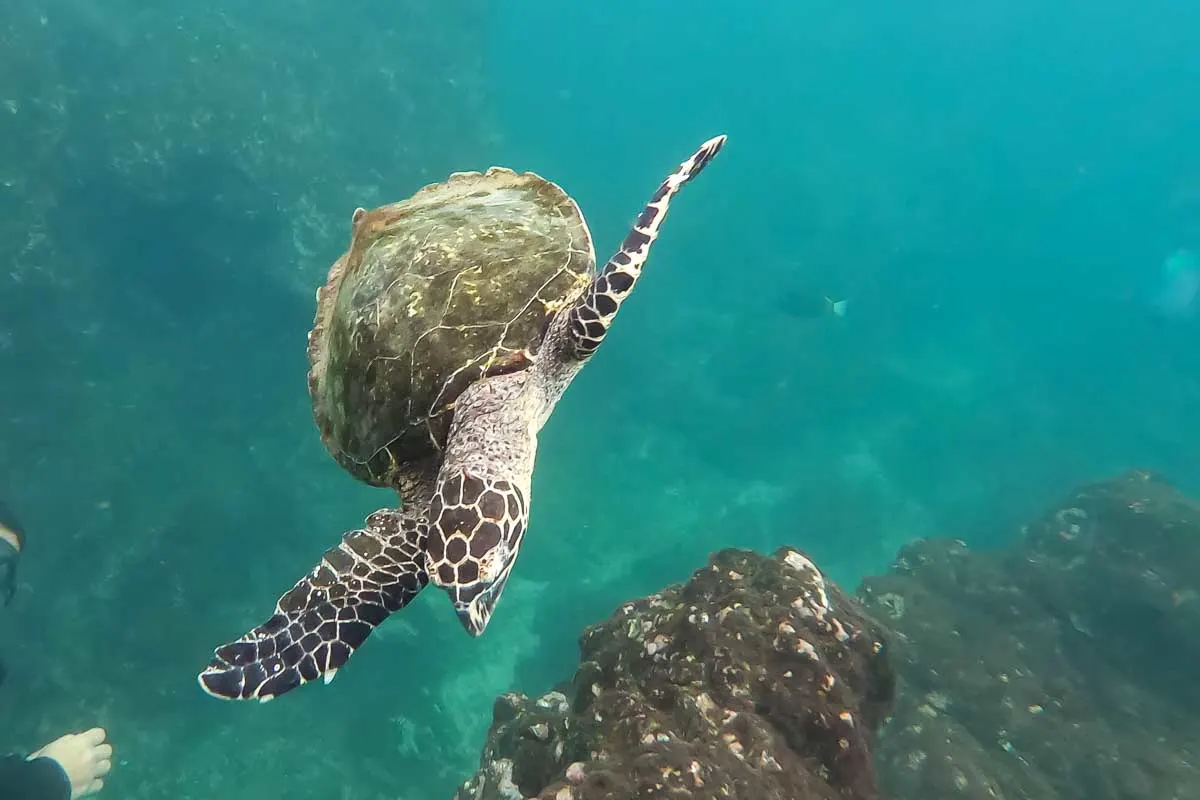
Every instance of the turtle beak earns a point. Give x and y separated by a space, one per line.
476 614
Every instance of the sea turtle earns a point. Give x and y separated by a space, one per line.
443 339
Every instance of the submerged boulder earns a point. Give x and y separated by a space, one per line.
756 679
1062 668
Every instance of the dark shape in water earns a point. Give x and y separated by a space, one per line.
806 304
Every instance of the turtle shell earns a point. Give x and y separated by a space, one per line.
435 292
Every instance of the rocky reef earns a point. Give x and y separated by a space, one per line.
1061 668
756 678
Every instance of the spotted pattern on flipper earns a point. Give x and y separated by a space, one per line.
593 313
475 532
328 614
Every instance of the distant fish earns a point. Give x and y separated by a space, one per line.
1178 284
811 305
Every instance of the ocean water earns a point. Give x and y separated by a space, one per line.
992 187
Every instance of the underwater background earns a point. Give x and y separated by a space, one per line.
993 188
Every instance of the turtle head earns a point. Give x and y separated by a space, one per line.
475 532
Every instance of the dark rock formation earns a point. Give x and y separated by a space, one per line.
756 679
1061 669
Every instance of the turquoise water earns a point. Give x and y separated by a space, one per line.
992 188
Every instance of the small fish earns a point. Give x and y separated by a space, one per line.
1178 284
811 306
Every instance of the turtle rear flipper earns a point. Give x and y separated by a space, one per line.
328 614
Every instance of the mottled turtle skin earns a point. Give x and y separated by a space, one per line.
451 285
443 402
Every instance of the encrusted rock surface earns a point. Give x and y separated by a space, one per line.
756 679
1060 668
1063 668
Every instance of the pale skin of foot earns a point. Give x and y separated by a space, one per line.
85 757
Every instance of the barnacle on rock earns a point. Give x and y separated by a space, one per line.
893 603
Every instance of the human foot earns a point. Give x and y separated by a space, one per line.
85 757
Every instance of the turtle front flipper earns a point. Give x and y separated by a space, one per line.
328 614
593 313
480 505
474 540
